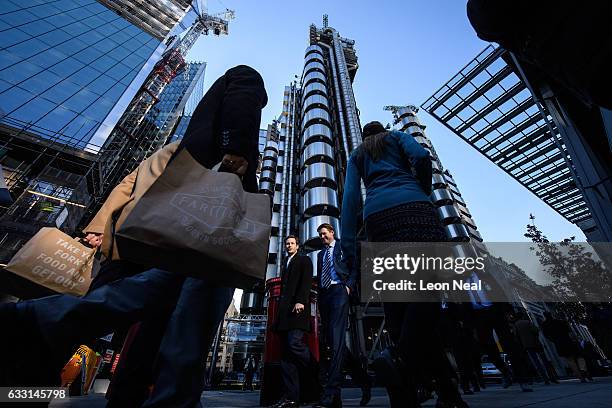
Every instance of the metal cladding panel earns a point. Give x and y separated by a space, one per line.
457 232
308 232
268 164
314 57
270 154
250 300
441 196
271 144
438 181
321 201
474 233
435 167
315 76
318 152
448 214
275 219
414 130
314 87
317 101
317 132
271 270
314 65
268 175
316 115
273 245
319 174
314 48
266 187
423 141
277 197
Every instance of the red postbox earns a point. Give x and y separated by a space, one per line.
272 385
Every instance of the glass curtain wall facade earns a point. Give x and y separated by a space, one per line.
164 118
65 64
492 108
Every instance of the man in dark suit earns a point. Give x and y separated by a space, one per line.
294 320
336 283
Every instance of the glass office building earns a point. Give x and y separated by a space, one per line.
196 96
65 64
165 114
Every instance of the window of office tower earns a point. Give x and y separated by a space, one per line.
64 64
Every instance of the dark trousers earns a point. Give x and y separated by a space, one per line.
295 356
414 329
485 321
197 308
356 368
334 308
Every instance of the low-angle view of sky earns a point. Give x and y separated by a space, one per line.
406 51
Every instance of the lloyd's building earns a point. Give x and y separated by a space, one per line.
303 169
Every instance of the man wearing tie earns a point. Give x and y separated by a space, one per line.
293 320
335 285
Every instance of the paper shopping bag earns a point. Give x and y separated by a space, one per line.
55 260
199 222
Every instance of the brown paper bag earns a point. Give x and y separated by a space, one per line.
55 260
199 222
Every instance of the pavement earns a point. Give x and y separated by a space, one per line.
567 394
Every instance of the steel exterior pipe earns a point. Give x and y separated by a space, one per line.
308 233
317 152
315 101
317 132
441 196
457 232
448 214
314 88
314 76
316 115
321 201
319 175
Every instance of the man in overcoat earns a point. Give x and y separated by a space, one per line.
293 320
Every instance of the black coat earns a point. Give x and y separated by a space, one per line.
296 281
227 121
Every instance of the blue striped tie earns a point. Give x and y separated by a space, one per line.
326 277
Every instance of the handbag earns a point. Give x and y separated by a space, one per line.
201 223
55 260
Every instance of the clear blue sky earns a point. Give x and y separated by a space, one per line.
406 51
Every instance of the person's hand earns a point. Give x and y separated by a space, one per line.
298 308
234 164
94 239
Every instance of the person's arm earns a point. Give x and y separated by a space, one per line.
348 220
302 292
350 209
419 158
117 199
240 114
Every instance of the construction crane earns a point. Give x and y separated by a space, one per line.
126 146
